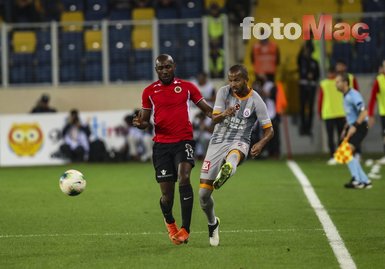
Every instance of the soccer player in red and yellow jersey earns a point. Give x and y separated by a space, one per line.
173 151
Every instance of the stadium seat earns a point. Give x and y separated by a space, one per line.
142 37
72 21
119 72
93 40
167 13
93 72
191 9
73 5
70 73
220 3
43 73
71 47
24 42
143 14
119 51
120 15
44 47
96 10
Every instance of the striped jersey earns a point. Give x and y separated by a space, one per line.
239 126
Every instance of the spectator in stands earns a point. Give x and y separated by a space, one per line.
203 128
308 80
142 3
42 105
268 91
119 4
265 58
206 87
331 110
76 138
217 60
26 11
341 67
139 141
215 22
237 10
378 94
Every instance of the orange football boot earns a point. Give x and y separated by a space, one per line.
172 230
181 236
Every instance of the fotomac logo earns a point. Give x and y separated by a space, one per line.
324 30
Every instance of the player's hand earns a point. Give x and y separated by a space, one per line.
137 120
351 131
256 149
229 112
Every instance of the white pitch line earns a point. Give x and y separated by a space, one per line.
337 244
150 233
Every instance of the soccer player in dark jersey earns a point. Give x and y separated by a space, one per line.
173 151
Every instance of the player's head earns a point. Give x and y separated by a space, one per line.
341 66
238 78
342 82
165 68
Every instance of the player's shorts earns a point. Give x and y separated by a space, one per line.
167 157
359 135
216 155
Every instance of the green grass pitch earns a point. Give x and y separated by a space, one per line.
266 220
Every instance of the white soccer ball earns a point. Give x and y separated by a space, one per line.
72 182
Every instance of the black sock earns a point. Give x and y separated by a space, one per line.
186 202
167 211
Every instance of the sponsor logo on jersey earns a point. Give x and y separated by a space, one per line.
246 113
206 166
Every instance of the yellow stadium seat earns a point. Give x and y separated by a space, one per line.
143 14
220 3
72 21
142 37
93 40
24 42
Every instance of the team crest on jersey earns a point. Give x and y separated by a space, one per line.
177 89
246 113
206 166
237 106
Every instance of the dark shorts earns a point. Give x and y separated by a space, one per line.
167 157
359 135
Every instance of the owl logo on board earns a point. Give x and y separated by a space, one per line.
25 139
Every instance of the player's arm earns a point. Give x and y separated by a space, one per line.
142 120
361 118
205 108
268 134
221 116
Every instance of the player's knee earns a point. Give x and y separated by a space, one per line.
204 196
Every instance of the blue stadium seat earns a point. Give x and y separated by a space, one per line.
73 5
191 9
120 33
119 72
21 74
71 47
167 13
93 72
120 15
44 47
119 51
43 74
96 10
143 71
93 56
70 73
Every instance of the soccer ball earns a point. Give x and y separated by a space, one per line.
72 182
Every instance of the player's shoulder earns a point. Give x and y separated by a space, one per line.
224 90
184 83
152 86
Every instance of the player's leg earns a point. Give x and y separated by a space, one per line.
329 124
207 204
233 158
361 180
184 157
166 177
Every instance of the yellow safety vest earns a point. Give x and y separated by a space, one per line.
332 102
215 26
381 94
351 80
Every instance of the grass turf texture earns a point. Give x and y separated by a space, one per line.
266 221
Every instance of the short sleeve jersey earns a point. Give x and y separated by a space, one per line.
170 106
239 126
353 105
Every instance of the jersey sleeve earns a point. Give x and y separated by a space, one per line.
358 101
195 94
220 101
146 102
261 111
